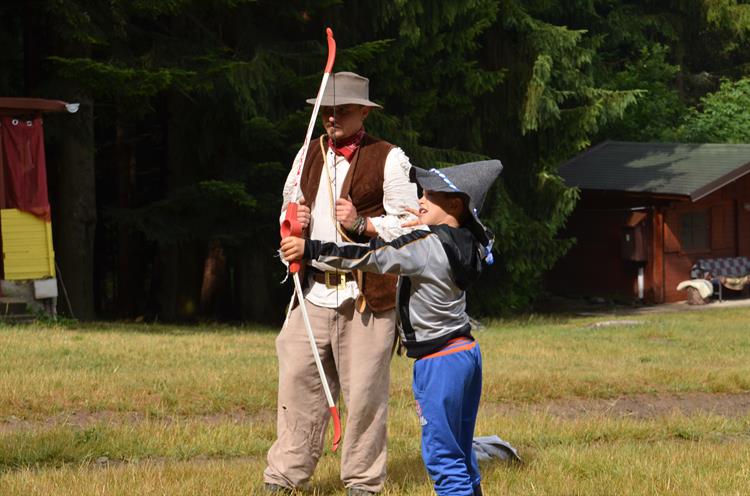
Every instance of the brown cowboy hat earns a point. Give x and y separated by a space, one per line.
346 87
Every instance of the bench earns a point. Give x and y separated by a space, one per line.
715 268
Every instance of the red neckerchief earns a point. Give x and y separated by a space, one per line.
347 147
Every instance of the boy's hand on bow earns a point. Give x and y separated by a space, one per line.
303 214
292 248
346 213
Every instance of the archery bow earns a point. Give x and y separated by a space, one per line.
291 227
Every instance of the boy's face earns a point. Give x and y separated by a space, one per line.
439 208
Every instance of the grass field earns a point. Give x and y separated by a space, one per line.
122 409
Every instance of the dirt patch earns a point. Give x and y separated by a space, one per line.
615 323
643 406
85 419
638 406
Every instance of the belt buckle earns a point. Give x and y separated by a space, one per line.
333 276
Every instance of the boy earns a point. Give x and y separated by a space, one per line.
437 262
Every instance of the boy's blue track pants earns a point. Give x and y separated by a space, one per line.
447 386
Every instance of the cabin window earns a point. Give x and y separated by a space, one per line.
695 235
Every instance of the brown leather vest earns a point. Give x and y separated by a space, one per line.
364 185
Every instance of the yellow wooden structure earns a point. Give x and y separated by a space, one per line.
27 246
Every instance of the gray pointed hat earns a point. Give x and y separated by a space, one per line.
471 180
346 87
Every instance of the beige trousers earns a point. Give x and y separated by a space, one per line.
356 352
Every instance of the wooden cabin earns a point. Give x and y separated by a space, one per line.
647 212
27 267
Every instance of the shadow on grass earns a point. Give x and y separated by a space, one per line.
148 328
405 476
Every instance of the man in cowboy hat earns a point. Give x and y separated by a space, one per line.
353 187
437 262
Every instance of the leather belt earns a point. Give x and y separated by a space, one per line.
332 279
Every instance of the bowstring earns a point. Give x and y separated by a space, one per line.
336 233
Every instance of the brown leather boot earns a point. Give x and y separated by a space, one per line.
277 489
355 491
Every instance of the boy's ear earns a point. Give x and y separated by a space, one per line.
457 205
460 209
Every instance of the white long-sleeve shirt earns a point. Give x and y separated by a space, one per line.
398 194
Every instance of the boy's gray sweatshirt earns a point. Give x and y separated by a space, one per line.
436 266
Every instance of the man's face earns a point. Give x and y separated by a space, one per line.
343 121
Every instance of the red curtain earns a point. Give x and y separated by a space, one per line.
24 170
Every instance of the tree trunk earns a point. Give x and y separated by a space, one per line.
181 268
257 292
213 288
127 265
75 215
180 276
32 56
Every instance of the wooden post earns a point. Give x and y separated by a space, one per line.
736 206
657 258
